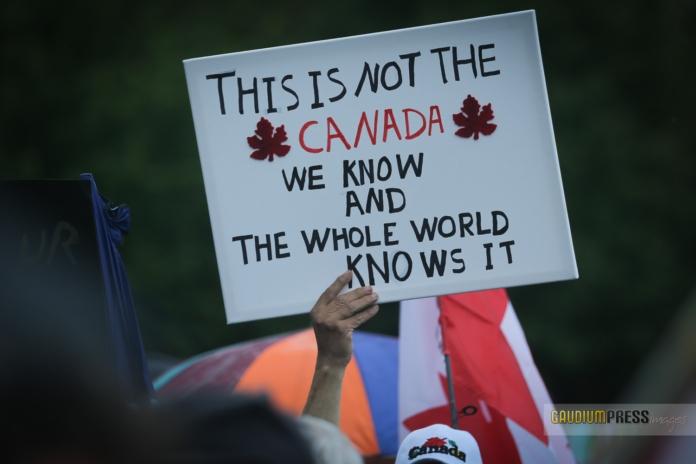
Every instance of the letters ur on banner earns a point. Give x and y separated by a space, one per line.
421 159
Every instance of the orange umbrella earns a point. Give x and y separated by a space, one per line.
282 368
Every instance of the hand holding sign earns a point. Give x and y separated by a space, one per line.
336 316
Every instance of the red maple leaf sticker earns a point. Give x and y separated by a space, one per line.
473 121
266 143
434 441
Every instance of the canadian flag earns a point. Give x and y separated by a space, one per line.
498 390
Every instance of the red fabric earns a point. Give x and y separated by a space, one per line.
483 364
491 434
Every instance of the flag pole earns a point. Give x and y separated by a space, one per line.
454 416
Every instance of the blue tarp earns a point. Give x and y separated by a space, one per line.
112 223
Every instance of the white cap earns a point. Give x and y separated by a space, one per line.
439 443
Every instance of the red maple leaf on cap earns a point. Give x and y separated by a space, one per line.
434 441
266 143
473 121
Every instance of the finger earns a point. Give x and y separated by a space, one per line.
357 293
336 287
361 303
363 316
341 309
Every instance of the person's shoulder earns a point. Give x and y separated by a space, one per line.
326 441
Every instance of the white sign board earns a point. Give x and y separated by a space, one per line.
423 159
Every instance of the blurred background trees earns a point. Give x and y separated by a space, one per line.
99 87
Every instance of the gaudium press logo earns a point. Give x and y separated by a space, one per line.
600 416
620 419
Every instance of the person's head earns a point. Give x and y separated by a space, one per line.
439 444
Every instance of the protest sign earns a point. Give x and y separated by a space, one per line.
421 159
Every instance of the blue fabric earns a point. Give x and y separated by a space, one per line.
379 366
112 223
